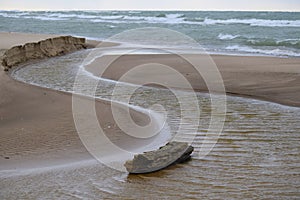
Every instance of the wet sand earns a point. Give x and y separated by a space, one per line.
249 161
37 123
266 78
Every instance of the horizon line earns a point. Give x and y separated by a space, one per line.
208 10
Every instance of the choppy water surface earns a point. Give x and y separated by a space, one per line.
268 33
257 155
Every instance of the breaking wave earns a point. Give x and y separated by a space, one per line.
292 43
222 36
254 22
272 52
259 32
168 18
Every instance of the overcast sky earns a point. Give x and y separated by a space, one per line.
281 5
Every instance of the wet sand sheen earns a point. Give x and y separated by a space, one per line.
267 78
37 127
256 156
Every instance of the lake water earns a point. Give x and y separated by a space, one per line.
267 33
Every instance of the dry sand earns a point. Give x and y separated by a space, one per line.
37 127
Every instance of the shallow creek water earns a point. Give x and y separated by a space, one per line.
256 156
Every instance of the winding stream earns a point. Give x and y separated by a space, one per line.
256 156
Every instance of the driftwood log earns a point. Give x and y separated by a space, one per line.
171 153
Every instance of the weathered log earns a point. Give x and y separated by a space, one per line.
171 153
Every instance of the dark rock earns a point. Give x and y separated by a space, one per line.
171 153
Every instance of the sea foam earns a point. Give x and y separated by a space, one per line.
222 36
254 22
272 52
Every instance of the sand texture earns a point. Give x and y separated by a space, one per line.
266 78
37 127
36 124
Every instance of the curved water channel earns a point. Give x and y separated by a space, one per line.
256 156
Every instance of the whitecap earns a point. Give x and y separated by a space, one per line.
45 18
254 22
113 17
176 15
273 52
134 12
222 36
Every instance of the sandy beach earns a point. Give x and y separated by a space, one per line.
149 99
37 123
267 78
37 130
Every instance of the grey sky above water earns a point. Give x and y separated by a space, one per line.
269 5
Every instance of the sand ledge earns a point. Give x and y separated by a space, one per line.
50 47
